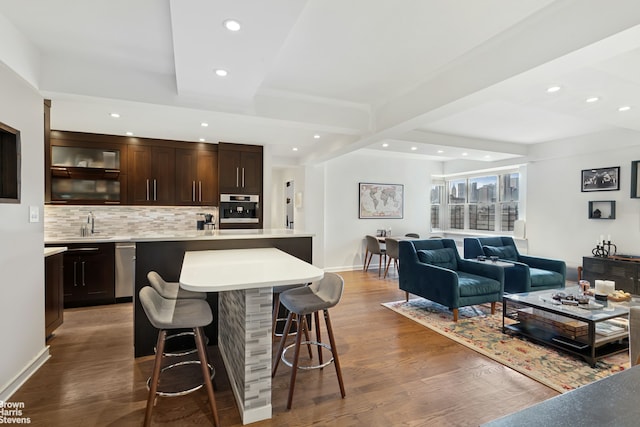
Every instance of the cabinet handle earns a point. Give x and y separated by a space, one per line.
155 190
193 191
238 177
75 269
147 189
83 284
200 191
242 177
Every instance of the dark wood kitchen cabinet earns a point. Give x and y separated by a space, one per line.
53 293
151 175
196 175
84 169
89 274
240 168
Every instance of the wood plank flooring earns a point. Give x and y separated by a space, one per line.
396 373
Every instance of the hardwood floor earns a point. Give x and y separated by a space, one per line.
396 373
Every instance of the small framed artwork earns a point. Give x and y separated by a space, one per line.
635 180
602 179
381 200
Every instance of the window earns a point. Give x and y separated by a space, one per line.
482 198
483 203
437 196
9 165
457 199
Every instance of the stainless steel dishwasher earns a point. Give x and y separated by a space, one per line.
125 270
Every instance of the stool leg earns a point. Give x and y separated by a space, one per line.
305 330
202 353
334 351
153 388
294 368
318 337
282 342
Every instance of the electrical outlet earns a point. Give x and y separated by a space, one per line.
34 214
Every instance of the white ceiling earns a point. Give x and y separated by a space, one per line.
443 77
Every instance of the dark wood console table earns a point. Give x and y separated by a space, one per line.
625 272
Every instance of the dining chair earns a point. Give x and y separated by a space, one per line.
414 235
392 254
373 248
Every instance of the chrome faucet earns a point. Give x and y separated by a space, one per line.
91 220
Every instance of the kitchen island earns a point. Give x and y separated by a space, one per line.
165 253
243 280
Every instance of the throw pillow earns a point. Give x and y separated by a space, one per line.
502 252
444 258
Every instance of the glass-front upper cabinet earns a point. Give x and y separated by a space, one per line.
81 174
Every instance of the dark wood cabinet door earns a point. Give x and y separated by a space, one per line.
89 274
240 169
151 175
186 176
53 294
207 185
251 173
139 174
229 170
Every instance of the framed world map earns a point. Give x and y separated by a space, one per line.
381 200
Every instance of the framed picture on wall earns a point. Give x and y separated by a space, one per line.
635 180
381 200
602 179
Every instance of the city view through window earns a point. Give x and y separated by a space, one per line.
486 203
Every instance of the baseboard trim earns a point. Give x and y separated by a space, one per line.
32 367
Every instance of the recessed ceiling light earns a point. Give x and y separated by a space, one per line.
295 148
231 25
592 99
204 125
465 154
385 145
221 73
440 151
115 115
202 140
129 133
624 108
414 148
552 89
486 156
316 136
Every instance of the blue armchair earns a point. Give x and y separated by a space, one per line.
432 269
528 273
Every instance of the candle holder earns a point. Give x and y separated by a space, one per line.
604 250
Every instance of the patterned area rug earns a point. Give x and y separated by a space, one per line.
480 331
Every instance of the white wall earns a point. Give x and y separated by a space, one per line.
557 212
21 243
342 243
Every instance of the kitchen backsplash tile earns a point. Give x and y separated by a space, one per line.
66 221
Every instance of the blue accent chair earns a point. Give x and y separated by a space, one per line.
433 269
528 273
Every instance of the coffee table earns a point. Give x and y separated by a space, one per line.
573 329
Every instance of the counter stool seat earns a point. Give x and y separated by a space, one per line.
182 341
301 302
171 290
168 314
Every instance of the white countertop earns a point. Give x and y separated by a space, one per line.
54 250
234 269
178 235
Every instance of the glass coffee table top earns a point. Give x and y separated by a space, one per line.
594 311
